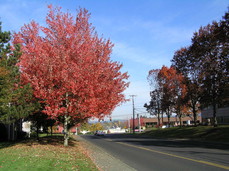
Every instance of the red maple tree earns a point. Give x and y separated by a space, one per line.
69 67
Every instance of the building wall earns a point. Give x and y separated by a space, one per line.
222 115
208 112
173 121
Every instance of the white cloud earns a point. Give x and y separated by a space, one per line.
160 31
9 18
138 55
15 16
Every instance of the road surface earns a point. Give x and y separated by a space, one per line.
147 154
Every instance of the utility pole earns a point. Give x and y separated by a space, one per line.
139 123
128 119
133 112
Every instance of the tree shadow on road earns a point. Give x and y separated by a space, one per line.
149 141
179 143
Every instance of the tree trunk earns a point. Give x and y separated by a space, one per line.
194 112
214 116
13 135
214 95
162 118
66 131
180 121
158 118
168 121
168 114
51 130
194 117
37 132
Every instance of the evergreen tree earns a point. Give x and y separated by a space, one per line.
16 99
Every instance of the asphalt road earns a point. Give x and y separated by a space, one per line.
147 154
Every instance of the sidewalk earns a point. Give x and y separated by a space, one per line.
103 160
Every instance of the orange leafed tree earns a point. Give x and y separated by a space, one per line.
173 91
69 67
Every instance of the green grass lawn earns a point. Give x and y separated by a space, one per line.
46 154
208 133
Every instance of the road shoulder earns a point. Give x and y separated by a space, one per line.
101 158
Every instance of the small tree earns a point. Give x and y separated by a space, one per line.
96 126
85 126
170 93
154 106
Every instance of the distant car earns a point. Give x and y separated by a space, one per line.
84 132
165 126
99 133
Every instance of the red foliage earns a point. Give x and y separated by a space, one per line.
174 90
172 81
69 66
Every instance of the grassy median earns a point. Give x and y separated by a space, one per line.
46 154
207 133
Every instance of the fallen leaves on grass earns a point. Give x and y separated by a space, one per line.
49 152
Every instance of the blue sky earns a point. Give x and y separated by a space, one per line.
146 33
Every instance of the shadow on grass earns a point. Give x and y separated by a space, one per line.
6 144
55 140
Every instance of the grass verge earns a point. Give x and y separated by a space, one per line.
46 154
207 133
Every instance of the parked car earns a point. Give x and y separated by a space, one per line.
99 133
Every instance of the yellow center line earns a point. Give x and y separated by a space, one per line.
173 155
